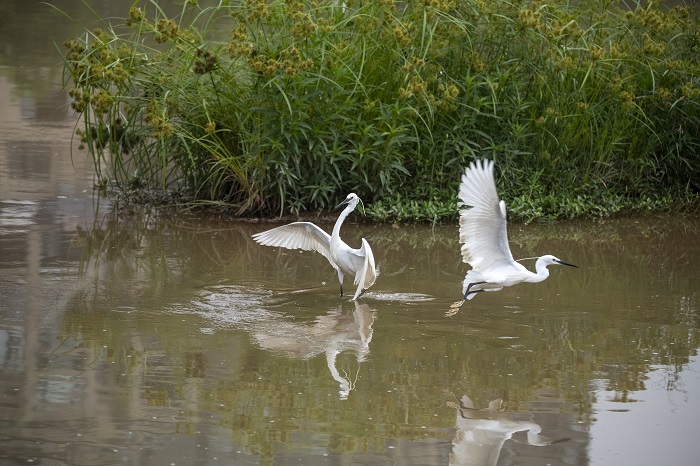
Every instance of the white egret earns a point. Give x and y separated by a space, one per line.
344 259
484 237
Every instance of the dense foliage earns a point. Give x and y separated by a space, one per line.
287 105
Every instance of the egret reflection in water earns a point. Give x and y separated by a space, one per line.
332 334
481 433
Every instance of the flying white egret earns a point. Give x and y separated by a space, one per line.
344 259
484 237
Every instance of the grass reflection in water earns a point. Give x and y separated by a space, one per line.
207 341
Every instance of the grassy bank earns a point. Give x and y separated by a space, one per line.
285 106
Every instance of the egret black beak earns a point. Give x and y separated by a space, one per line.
342 203
566 263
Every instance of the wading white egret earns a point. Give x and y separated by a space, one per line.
344 259
484 237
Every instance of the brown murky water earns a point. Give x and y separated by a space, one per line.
148 339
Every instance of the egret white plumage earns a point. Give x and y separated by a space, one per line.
484 237
344 259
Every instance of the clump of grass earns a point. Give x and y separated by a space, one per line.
282 106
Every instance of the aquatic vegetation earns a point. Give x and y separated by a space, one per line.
284 105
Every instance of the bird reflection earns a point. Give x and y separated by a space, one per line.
331 334
481 433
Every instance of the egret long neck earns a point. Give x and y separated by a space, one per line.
335 234
542 272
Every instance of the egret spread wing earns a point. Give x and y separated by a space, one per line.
482 228
298 235
368 273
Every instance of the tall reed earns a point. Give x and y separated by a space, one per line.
287 105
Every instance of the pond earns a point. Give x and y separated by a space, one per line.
145 338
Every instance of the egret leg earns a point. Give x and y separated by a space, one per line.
467 293
340 279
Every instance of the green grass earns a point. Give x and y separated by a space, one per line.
286 106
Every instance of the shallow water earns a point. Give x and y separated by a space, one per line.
151 339
178 340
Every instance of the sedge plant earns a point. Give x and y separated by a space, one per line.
284 106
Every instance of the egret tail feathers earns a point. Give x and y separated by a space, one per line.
360 290
368 274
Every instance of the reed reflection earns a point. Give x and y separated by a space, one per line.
204 297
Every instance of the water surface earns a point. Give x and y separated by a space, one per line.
156 339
